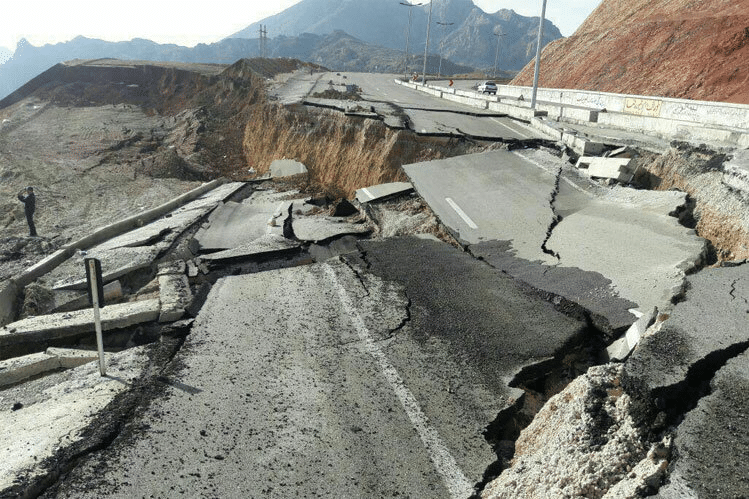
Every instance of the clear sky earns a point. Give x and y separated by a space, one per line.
189 22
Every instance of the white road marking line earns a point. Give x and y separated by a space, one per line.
456 482
461 213
539 165
512 129
366 191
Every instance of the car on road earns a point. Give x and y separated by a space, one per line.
487 87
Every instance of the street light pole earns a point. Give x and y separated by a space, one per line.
426 47
442 43
538 55
408 33
496 55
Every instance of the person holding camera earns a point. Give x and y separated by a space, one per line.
28 198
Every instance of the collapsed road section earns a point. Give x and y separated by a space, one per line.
403 343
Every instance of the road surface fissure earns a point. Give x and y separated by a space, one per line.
445 464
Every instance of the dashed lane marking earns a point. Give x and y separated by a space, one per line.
511 128
456 482
461 213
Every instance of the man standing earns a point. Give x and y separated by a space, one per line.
28 198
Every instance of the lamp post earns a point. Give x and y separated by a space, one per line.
496 55
426 47
408 33
538 55
442 43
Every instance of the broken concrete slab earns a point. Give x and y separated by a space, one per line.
8 300
382 191
320 229
286 168
167 228
621 348
173 267
54 410
18 369
611 168
265 245
115 263
67 301
709 325
237 224
629 236
175 296
49 327
736 172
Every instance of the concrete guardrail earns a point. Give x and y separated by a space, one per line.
681 119
9 289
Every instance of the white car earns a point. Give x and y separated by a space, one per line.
488 87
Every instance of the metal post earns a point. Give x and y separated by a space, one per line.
442 43
426 47
496 55
538 55
97 318
408 32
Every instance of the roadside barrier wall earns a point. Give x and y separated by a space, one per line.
670 118
10 288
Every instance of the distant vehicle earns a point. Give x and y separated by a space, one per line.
488 87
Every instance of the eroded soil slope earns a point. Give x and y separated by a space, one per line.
103 140
692 49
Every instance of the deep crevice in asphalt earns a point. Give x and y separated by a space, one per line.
539 382
556 217
673 402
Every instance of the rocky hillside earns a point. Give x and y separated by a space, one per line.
467 41
694 49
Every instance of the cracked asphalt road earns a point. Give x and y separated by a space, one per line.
331 380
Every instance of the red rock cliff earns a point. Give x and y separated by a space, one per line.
692 49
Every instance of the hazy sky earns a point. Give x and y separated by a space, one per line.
189 22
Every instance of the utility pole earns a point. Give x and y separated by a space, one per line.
426 47
538 54
442 43
496 55
408 33
263 40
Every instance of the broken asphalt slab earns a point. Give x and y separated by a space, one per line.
530 205
704 330
321 229
265 245
711 444
236 224
500 325
382 191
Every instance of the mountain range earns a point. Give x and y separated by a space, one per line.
342 35
466 34
5 54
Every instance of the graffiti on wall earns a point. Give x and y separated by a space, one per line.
643 107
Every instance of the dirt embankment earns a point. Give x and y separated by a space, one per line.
341 153
719 212
692 49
